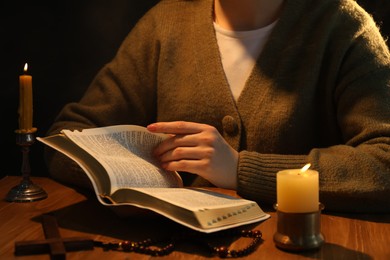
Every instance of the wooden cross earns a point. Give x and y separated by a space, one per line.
53 244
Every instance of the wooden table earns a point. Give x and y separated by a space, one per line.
80 215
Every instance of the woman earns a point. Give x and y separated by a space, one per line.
248 88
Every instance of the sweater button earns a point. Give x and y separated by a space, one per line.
230 125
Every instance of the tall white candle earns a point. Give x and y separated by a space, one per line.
297 190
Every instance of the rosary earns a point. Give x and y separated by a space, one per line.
150 246
57 246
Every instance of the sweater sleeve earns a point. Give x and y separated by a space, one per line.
257 174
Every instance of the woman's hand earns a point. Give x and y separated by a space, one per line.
199 149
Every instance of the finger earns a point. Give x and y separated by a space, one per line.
186 153
191 166
175 142
177 127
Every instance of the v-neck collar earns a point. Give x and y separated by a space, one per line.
208 60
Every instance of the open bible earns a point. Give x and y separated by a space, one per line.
118 160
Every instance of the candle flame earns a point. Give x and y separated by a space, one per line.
25 67
304 168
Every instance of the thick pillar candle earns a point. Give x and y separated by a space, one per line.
25 101
297 190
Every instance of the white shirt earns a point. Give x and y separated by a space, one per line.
239 51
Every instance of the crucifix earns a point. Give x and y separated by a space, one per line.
53 244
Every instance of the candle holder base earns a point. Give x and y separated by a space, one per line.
26 191
299 231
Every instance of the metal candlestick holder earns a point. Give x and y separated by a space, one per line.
298 231
26 190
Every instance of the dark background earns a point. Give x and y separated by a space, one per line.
65 43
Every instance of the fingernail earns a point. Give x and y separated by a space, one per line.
151 127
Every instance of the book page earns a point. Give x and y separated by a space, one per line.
197 208
94 170
125 152
194 199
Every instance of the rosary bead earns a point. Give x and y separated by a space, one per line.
222 251
246 233
257 233
234 253
141 249
147 242
127 246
